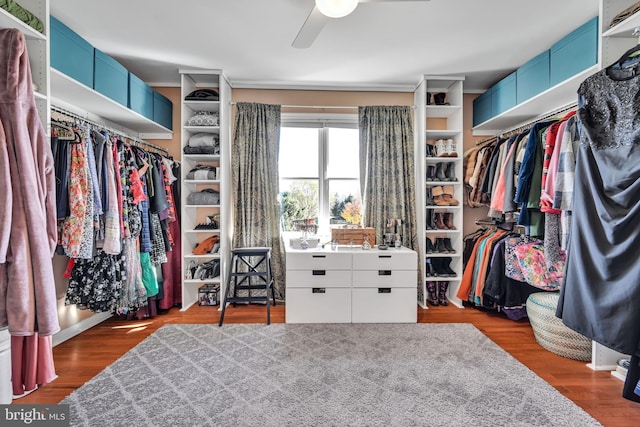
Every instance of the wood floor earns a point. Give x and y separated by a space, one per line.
597 392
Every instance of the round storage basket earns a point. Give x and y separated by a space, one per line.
551 333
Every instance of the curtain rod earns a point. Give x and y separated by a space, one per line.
110 129
322 106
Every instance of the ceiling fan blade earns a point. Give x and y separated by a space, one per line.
310 29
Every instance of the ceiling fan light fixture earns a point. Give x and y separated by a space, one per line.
336 8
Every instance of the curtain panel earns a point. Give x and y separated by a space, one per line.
387 171
255 148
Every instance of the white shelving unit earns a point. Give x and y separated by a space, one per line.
193 215
434 122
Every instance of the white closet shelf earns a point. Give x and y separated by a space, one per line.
442 134
210 230
440 231
202 181
211 106
442 159
441 255
206 256
624 28
554 98
197 281
441 279
202 157
201 206
441 111
459 207
7 20
441 183
75 93
205 129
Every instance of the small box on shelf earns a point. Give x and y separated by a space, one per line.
345 236
208 294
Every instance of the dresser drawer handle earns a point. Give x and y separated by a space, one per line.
384 256
384 272
319 272
318 256
318 290
384 290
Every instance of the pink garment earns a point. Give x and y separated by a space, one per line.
497 199
27 286
172 271
26 279
31 363
549 189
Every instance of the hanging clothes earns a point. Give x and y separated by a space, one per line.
601 290
28 232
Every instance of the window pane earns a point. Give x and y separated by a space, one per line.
298 155
345 204
342 159
298 201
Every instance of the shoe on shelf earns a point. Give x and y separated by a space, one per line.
445 267
431 172
431 225
447 219
437 217
430 246
438 196
439 172
440 98
440 247
441 148
450 172
430 150
429 197
450 148
442 293
429 101
447 196
430 270
446 243
432 295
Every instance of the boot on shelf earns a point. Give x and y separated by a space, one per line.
450 172
440 248
445 267
429 101
447 218
431 225
440 98
432 293
442 293
450 148
441 148
430 246
439 221
446 242
430 150
431 172
429 196
438 198
431 272
439 174
447 196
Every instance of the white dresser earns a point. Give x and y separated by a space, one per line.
351 286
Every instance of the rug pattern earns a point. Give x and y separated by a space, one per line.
320 375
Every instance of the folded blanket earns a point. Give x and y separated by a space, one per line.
22 14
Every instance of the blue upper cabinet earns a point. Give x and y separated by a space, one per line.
110 78
575 52
533 77
71 54
562 64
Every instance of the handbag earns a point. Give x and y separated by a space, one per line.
207 196
208 270
190 271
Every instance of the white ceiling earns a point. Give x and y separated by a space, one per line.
380 45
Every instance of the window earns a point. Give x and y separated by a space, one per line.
319 177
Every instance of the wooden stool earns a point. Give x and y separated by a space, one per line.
250 270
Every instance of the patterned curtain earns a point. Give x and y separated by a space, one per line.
387 176
255 183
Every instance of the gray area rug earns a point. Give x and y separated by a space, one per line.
320 375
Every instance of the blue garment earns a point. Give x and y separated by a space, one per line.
93 173
145 233
526 171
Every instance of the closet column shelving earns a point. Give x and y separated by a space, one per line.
192 215
439 121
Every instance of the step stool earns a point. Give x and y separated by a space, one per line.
250 271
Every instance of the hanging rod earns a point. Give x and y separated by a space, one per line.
551 115
346 107
73 115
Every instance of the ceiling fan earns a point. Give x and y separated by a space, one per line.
322 11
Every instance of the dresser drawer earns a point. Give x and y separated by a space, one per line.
318 278
318 305
385 260
385 278
318 261
384 305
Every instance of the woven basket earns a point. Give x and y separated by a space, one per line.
551 333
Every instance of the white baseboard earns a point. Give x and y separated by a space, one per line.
79 327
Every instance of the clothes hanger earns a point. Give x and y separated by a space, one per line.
62 131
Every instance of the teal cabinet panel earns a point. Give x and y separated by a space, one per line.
575 52
482 108
71 54
533 77
110 78
140 96
162 110
504 95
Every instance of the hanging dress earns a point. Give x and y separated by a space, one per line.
601 292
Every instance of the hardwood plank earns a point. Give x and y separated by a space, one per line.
597 392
